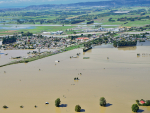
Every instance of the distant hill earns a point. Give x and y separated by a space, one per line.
99 3
111 3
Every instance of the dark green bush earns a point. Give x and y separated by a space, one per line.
77 108
102 101
5 106
137 101
148 102
135 107
57 102
76 78
21 106
26 61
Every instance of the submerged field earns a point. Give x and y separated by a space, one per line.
121 80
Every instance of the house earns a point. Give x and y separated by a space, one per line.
142 102
0 43
82 38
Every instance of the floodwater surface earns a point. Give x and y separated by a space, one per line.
121 79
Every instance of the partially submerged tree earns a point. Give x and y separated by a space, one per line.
102 101
21 106
77 108
135 107
5 106
57 102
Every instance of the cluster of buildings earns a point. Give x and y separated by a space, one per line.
54 33
102 29
55 41
44 42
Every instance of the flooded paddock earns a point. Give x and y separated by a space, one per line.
121 79
6 55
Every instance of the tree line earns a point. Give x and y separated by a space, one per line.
9 40
124 43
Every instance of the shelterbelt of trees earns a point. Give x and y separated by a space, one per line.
125 43
95 41
9 40
62 17
26 34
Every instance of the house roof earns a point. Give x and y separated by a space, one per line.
142 101
83 38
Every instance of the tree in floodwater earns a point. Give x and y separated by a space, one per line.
102 101
77 108
57 102
135 107
9 40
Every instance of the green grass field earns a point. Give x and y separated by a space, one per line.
40 29
52 16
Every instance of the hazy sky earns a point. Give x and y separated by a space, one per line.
23 3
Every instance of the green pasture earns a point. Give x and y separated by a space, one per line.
39 29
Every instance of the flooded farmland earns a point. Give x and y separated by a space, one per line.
5 55
121 79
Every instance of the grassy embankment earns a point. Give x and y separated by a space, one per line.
43 55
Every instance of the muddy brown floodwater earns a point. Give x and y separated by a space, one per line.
121 79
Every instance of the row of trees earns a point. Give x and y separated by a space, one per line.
95 41
134 107
139 11
90 22
132 18
26 34
77 21
127 43
9 40
102 102
124 43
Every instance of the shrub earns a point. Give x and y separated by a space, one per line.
137 101
57 102
21 106
135 107
76 78
5 106
77 108
148 102
102 101
26 61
